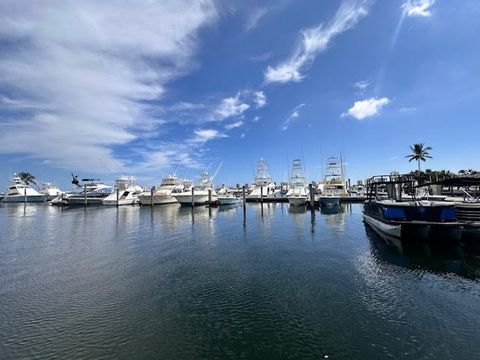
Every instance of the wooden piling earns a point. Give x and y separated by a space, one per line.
243 196
151 196
312 196
85 195
118 195
261 194
193 193
25 196
209 197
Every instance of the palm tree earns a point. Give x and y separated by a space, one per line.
420 152
27 178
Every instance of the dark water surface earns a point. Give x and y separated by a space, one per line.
158 283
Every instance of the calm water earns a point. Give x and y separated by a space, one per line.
160 283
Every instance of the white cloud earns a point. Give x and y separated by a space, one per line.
366 108
204 135
408 110
234 125
418 7
316 40
256 118
261 57
230 107
293 115
254 17
83 74
260 99
361 85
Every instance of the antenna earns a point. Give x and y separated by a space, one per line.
218 169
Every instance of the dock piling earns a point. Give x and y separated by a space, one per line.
118 195
193 193
312 197
85 195
25 196
209 197
261 194
151 196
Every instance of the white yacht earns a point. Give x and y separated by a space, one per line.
263 184
163 194
51 190
227 196
126 192
18 192
298 189
200 191
334 186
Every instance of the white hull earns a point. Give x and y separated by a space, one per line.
393 230
198 199
157 199
297 200
22 198
121 202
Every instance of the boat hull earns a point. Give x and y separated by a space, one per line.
389 229
80 201
198 199
329 201
120 202
228 200
297 200
22 198
157 199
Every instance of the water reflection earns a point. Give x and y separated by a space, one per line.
433 256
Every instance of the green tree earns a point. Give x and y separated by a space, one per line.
420 152
27 178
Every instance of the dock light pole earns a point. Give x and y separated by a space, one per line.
151 196
85 195
193 193
25 196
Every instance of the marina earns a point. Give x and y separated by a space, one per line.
270 282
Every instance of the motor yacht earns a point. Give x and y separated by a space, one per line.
126 192
18 192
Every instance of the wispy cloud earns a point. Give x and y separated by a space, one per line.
204 135
315 40
418 7
295 114
234 125
86 73
408 110
361 85
230 107
261 57
260 99
366 108
255 16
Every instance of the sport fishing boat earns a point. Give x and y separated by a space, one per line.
18 192
263 187
412 217
126 192
334 183
51 190
93 192
163 194
228 197
298 190
200 194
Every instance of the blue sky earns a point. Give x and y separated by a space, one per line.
148 88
